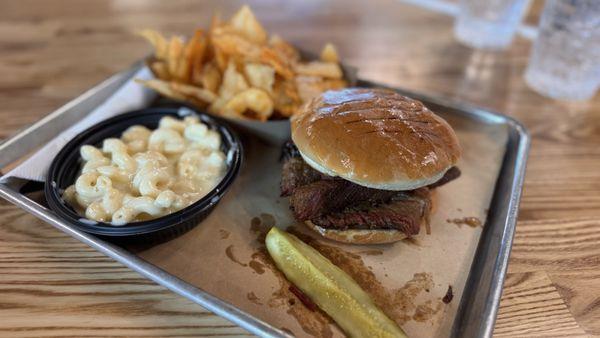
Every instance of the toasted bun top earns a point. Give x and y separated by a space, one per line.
375 138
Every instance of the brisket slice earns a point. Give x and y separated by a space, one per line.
405 212
297 173
313 194
334 202
323 196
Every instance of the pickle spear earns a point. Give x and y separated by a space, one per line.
329 287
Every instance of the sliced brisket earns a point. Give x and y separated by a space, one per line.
297 173
324 196
405 212
332 202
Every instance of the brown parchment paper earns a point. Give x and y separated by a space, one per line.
223 255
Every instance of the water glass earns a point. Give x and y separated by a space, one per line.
565 60
489 24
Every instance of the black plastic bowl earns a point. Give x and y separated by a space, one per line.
67 164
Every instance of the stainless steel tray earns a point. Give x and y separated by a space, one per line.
479 303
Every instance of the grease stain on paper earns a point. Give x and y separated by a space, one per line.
231 256
473 222
253 298
224 234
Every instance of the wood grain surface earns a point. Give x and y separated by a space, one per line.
51 51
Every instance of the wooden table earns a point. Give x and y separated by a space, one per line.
51 51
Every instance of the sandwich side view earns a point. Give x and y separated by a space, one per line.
363 162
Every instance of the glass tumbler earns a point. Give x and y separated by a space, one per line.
488 24
565 59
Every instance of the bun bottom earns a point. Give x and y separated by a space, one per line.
358 236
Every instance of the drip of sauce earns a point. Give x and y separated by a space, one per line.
256 265
473 222
371 252
426 311
303 298
252 297
224 233
267 220
449 295
231 256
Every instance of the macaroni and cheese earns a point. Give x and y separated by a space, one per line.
148 173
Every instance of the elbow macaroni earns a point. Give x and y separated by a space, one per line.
148 174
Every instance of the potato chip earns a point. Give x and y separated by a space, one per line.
329 54
233 44
157 41
312 86
319 68
233 82
173 55
260 76
255 100
246 23
201 94
235 69
162 87
217 106
210 77
285 97
184 65
221 59
215 22
159 69
199 48
281 65
284 48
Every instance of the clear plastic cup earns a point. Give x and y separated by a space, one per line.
489 24
565 59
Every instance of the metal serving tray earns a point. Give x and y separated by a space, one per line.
481 296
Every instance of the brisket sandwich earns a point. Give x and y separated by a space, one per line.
363 162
